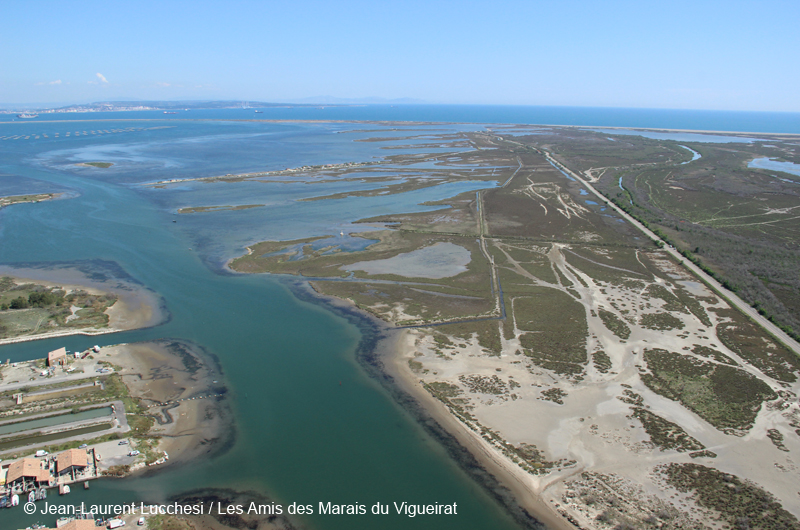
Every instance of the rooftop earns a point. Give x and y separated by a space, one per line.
27 467
71 457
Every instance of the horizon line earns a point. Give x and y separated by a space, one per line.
8 107
613 127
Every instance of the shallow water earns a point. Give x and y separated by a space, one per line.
441 260
311 426
775 165
699 120
680 136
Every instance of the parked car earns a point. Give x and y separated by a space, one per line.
82 446
123 442
134 453
141 521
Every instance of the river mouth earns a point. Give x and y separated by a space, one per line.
312 425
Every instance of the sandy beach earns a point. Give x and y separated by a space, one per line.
395 358
182 388
591 442
387 360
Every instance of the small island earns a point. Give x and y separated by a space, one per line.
101 165
19 199
201 209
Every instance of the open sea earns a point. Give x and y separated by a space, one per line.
301 436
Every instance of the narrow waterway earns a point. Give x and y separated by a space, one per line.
51 421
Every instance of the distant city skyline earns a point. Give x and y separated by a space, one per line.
701 55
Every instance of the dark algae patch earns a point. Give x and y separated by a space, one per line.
556 395
257 519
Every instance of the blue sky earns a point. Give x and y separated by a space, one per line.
723 55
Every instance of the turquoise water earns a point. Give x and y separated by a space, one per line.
301 435
311 426
698 120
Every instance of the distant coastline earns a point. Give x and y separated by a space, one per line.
629 118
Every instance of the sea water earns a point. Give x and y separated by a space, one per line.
698 120
301 436
311 426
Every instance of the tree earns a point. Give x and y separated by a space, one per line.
19 303
44 299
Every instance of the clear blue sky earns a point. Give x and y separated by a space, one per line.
677 54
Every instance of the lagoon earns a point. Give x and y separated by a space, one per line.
311 426
775 165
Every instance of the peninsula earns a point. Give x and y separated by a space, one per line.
557 322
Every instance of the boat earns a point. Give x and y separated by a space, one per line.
167 112
3 502
31 496
63 489
86 485
41 494
15 500
259 112
27 115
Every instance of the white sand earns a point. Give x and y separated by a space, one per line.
593 428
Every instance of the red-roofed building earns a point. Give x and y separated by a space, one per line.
27 473
71 461
57 357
